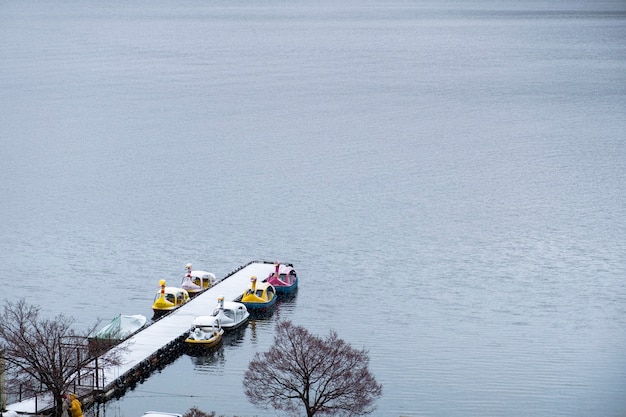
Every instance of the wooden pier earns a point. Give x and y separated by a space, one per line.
151 348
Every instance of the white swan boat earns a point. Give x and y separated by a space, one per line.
228 315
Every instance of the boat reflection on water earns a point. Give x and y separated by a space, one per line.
235 337
208 358
286 305
209 361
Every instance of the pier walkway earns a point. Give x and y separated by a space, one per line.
143 351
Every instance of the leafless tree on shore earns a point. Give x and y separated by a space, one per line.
323 376
44 354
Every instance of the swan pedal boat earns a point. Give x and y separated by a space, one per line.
259 297
168 299
229 315
284 279
195 282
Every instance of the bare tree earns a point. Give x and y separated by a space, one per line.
43 354
325 376
196 412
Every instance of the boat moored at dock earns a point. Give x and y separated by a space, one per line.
229 315
284 279
205 333
260 297
168 299
195 282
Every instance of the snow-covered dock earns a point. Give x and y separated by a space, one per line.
146 349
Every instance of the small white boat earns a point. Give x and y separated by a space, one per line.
228 315
160 414
204 334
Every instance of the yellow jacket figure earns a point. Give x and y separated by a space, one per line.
75 407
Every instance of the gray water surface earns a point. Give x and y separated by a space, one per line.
447 177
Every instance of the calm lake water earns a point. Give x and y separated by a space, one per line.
448 178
